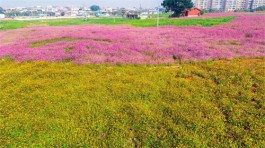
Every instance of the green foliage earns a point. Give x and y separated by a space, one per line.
44 42
14 13
94 8
204 11
193 104
260 8
13 24
54 40
17 13
62 13
242 10
68 49
214 10
177 6
2 10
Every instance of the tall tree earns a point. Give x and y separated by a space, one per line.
94 8
2 10
62 13
177 6
260 8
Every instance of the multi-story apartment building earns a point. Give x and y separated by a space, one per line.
232 5
217 4
257 3
229 5
210 4
203 4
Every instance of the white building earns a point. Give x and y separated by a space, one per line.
257 3
232 5
203 4
2 16
217 5
229 5
109 9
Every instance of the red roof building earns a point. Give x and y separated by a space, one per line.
191 13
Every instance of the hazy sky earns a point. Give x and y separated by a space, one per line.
102 3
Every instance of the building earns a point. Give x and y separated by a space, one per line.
229 5
257 3
191 13
203 4
232 5
132 14
2 16
217 5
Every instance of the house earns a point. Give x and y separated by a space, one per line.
191 13
74 11
132 14
2 16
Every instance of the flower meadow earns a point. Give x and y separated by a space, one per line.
243 37
59 99
217 103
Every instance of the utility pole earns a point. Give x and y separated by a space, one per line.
158 17
157 21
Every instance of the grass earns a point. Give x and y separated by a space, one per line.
44 42
14 24
54 40
193 104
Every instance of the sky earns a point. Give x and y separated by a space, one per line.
101 3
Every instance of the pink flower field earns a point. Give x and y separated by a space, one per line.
243 37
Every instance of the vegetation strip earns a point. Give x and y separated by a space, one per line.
44 42
14 24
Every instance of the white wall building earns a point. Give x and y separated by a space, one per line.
228 5
2 16
257 3
217 5
203 4
232 5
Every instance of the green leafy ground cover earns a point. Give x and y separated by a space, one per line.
14 24
193 104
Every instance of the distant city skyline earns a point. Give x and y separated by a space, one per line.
102 3
229 5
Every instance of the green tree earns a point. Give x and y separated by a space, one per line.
62 13
2 10
177 6
94 8
261 8
13 14
204 11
